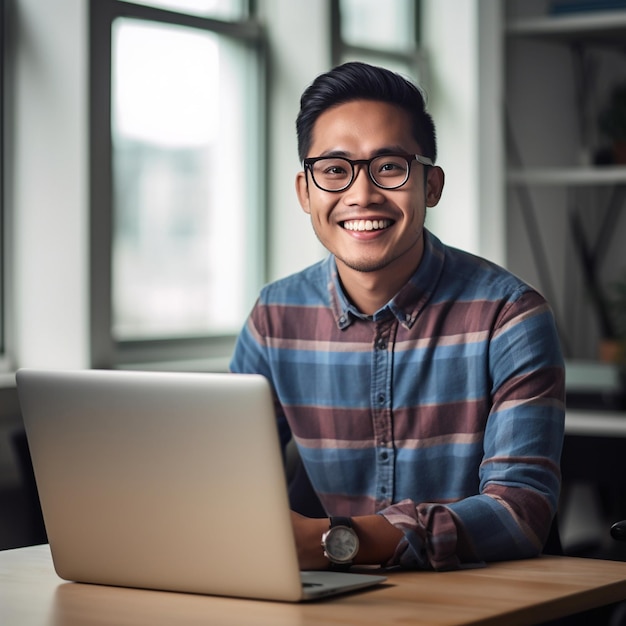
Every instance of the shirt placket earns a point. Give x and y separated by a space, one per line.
380 402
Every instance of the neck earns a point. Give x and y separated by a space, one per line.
370 291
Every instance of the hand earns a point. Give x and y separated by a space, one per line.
377 540
308 535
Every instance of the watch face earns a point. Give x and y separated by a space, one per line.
341 544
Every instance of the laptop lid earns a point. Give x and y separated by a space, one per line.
165 481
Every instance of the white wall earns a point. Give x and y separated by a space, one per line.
463 41
49 189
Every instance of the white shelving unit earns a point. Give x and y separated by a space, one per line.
558 72
588 25
568 176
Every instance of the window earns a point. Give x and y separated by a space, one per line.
379 33
177 226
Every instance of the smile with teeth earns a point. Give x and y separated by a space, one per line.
366 224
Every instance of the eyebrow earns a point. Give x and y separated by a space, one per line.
379 152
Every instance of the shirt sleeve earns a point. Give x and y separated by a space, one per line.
519 475
250 357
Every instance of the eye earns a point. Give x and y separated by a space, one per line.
389 166
332 168
335 169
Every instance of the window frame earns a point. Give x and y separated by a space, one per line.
413 57
190 352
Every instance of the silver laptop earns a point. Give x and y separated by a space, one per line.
167 481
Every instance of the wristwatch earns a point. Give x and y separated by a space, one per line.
340 543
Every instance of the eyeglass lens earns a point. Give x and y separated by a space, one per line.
336 173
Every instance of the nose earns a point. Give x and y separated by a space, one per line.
363 191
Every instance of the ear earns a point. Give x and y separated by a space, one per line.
302 190
434 185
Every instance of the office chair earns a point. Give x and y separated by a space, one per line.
34 519
553 545
618 530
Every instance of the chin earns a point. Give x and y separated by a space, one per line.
365 265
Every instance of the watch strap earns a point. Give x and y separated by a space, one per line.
337 520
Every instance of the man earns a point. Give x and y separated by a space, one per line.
424 386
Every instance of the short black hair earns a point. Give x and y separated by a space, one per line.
361 81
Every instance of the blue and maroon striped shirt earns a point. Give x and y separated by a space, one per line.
443 411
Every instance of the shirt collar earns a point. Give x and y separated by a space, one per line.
407 304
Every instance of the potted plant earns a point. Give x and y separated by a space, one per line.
612 122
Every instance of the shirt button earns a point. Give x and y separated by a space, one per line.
381 398
381 344
384 456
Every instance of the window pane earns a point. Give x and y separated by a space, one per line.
386 25
375 59
221 9
180 144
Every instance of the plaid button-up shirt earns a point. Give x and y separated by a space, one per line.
444 411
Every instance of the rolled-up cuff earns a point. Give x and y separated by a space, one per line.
431 539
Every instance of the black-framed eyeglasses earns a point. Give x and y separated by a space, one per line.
387 171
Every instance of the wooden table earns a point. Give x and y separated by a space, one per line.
514 592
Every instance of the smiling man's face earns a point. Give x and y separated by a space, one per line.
367 228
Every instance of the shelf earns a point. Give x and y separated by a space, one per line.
593 27
568 176
595 423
